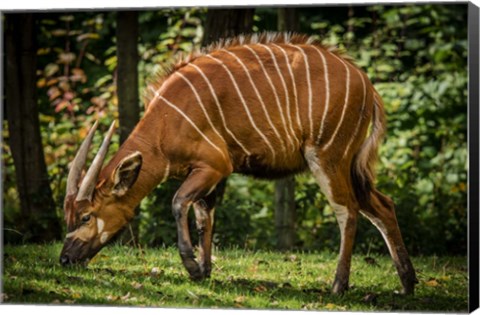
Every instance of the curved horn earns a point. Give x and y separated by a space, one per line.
85 191
79 162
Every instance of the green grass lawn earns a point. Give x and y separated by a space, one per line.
240 279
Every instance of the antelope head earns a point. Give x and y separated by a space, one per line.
94 208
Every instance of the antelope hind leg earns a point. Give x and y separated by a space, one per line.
381 212
347 222
335 187
197 185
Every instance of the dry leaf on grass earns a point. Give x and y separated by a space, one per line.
260 288
432 282
156 272
137 285
239 299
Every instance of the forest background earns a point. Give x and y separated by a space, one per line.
416 56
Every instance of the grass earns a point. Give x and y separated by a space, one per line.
240 279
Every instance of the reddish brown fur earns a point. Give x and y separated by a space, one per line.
184 135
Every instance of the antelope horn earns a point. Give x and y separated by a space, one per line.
79 162
85 191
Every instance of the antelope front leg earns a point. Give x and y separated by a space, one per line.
198 184
204 211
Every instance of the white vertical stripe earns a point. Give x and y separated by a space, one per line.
166 173
282 142
274 93
265 139
178 110
287 99
347 92
294 84
309 84
354 135
219 107
327 93
199 100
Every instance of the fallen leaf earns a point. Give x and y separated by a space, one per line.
331 306
76 295
193 295
112 298
66 290
432 282
156 272
260 288
68 301
125 297
240 299
311 306
137 285
291 258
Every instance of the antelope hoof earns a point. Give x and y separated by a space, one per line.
409 287
197 276
194 271
408 279
206 271
193 268
339 287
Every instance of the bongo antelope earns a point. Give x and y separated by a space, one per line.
266 105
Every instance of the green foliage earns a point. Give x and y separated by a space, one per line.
127 276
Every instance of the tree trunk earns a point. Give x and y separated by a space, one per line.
127 91
38 220
222 23
127 72
285 212
227 23
285 188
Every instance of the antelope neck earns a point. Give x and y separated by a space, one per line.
154 164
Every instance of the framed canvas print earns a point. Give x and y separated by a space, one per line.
263 157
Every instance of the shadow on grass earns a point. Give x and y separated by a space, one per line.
46 282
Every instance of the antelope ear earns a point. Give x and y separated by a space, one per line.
126 173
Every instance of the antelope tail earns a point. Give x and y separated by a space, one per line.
363 164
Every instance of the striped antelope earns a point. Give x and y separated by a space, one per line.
265 105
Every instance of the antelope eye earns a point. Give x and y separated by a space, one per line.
86 218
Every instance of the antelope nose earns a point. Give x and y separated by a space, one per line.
64 260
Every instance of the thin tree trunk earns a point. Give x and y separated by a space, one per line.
127 72
285 213
222 23
127 90
38 221
285 188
